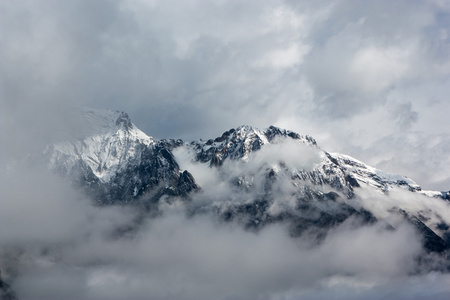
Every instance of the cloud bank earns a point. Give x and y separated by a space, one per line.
55 244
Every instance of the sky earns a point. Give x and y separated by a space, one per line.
366 78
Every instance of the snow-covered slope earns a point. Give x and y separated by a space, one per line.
107 141
337 170
370 176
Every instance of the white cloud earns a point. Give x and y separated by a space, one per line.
378 69
174 257
282 58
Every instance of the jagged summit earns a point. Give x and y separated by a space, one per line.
97 121
105 141
244 132
115 162
239 142
124 121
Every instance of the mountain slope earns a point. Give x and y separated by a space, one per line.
108 140
115 162
310 197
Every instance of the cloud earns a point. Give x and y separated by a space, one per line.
434 210
174 257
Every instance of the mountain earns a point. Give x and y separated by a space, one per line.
115 162
257 177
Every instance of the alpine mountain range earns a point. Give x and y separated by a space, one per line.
271 175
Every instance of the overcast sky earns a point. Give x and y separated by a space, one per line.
366 78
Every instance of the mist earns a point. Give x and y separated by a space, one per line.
56 244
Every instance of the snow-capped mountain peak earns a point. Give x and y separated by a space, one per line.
240 142
107 140
98 122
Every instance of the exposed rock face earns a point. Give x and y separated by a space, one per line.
6 292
